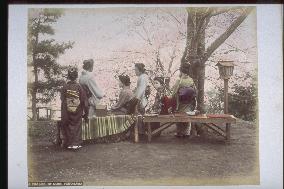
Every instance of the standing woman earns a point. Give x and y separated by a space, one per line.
142 84
140 91
74 106
183 129
94 93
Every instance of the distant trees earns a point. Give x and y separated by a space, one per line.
42 55
160 39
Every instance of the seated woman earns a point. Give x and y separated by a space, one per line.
158 85
157 106
125 96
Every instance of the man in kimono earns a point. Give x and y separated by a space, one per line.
94 93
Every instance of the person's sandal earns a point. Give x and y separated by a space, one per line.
76 147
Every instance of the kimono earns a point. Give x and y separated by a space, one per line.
157 106
124 96
73 105
96 93
142 83
183 129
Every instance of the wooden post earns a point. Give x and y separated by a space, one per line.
228 132
228 126
226 96
136 137
149 131
37 114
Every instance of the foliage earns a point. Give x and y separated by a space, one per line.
242 101
44 52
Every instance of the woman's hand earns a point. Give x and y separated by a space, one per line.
85 116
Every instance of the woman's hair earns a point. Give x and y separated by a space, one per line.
160 80
141 67
72 74
87 64
185 68
125 80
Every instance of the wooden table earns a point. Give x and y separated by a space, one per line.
209 120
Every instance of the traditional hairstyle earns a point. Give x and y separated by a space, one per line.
124 79
141 67
72 74
160 80
185 68
87 64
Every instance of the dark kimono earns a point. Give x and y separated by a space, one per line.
157 107
72 120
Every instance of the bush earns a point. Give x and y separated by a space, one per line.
242 101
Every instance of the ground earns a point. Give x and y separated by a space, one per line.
204 160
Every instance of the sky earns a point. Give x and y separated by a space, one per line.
115 39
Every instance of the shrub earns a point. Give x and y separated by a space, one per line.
242 101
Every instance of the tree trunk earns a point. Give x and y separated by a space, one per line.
201 72
34 112
195 49
34 89
200 89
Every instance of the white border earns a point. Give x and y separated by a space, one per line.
270 57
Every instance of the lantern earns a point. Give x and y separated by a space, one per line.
226 69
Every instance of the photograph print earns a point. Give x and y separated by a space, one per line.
142 96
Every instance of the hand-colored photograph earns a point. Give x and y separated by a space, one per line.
142 96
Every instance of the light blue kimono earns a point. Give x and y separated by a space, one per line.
87 79
142 83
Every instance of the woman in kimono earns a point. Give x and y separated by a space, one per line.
140 92
158 85
183 129
142 84
120 108
157 106
94 93
124 96
74 106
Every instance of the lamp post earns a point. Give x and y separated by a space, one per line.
226 69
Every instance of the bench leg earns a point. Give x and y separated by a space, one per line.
58 140
149 132
136 136
228 132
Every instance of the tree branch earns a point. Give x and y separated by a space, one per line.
218 11
173 16
220 40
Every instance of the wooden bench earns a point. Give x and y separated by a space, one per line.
209 120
